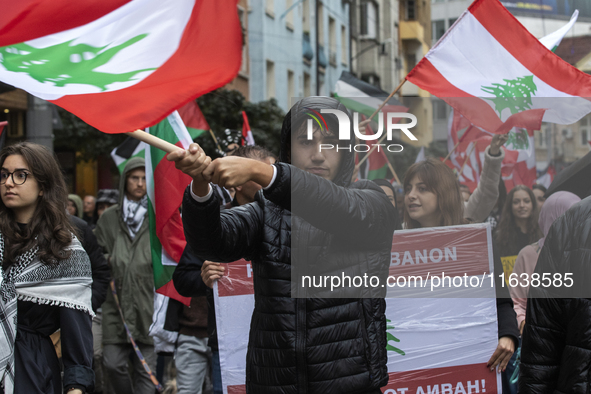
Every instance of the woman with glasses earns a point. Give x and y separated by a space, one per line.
45 279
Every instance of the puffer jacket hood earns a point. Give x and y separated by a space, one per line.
132 164
78 202
299 113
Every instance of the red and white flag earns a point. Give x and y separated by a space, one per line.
519 164
119 65
499 76
247 138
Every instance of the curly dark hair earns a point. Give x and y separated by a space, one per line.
50 227
506 233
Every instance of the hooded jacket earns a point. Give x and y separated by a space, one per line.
305 345
78 203
131 267
556 349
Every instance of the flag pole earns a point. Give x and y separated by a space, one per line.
216 141
372 115
467 157
393 172
154 141
451 151
388 98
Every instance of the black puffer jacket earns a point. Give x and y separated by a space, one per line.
556 349
299 346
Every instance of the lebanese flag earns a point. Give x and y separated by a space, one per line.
495 73
519 164
119 65
247 137
166 186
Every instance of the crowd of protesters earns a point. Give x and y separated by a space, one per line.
83 267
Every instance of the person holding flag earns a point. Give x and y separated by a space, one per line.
123 233
307 344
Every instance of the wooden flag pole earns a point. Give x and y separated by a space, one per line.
393 172
384 136
154 141
388 98
216 141
467 157
450 152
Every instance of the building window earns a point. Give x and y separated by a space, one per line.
585 127
439 109
306 16
289 16
307 85
344 48
332 42
411 61
369 19
270 8
290 87
437 30
411 11
270 79
451 22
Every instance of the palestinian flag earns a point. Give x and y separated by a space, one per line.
119 65
360 96
166 186
131 147
495 73
377 162
191 116
193 119
552 40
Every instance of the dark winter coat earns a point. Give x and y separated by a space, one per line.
101 275
299 346
556 349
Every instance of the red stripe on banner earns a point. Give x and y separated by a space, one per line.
169 196
472 378
455 251
529 51
188 74
23 20
192 116
237 279
481 114
169 290
238 389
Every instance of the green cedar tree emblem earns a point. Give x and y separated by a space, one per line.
515 94
391 337
518 139
64 63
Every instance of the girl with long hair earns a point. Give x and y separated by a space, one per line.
518 226
46 279
432 198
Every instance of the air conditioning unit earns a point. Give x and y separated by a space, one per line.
567 134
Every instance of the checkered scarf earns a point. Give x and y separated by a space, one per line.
67 284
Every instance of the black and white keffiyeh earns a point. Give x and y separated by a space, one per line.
67 284
134 213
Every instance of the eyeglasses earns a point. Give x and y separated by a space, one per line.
18 177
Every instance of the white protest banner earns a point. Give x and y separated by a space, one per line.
435 345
